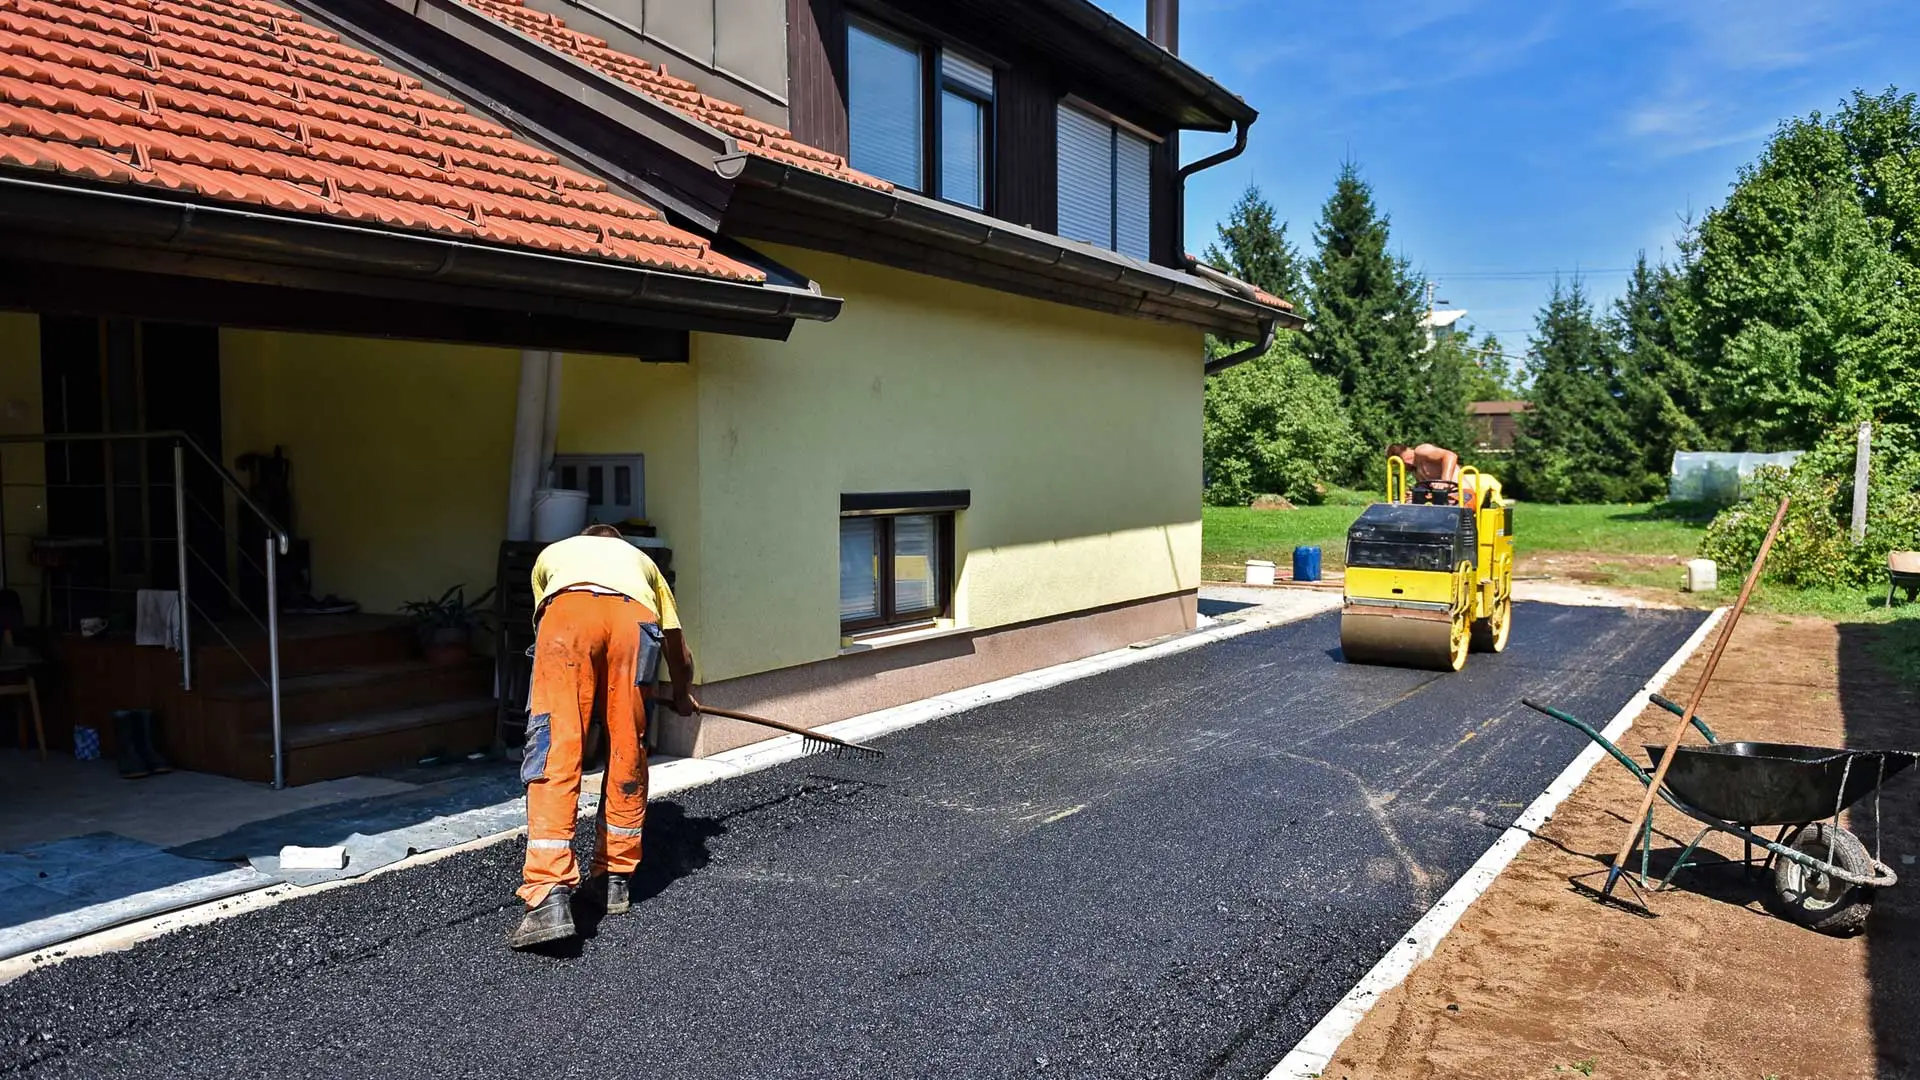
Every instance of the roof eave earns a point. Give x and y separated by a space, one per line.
32 211
1152 291
1225 107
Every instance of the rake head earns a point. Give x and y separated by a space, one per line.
1633 900
812 744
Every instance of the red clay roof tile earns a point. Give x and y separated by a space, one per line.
240 101
754 136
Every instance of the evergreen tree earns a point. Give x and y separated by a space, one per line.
1254 247
1660 384
1364 307
1576 443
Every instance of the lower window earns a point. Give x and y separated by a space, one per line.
896 569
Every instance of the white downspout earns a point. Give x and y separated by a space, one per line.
529 441
550 432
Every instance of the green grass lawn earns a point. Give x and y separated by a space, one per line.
1663 531
1234 534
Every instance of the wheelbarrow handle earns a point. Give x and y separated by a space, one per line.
1593 733
1677 709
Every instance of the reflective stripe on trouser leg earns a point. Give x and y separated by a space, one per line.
569 656
631 646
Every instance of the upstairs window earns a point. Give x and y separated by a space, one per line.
1104 183
918 116
966 125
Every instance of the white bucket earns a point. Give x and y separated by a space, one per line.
1259 572
558 513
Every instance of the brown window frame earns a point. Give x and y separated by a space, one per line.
884 508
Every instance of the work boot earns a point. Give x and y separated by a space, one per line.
610 893
549 920
126 744
149 749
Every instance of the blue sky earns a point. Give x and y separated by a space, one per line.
1522 137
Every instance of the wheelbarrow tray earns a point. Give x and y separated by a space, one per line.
1758 783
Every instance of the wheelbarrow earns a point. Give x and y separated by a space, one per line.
1822 876
1903 573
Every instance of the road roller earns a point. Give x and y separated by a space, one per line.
1429 573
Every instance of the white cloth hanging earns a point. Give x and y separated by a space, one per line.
157 618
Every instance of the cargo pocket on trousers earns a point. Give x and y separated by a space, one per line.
533 756
646 666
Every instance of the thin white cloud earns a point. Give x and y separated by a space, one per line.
1723 59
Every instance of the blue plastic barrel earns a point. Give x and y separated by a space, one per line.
1306 564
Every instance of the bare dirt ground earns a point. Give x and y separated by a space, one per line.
1538 980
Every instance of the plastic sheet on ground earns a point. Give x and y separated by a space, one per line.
58 891
67 888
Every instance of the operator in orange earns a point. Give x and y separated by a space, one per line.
604 619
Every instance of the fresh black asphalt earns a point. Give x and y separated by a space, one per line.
1172 869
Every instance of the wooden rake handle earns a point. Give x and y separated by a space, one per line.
792 729
1637 822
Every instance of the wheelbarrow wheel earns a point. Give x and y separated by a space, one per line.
1820 901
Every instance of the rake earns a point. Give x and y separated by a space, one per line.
812 742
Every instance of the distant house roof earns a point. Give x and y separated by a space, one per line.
242 102
1498 408
1438 320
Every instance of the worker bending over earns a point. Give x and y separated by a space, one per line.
604 617
1435 474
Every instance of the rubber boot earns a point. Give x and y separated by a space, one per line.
149 748
549 920
126 741
611 893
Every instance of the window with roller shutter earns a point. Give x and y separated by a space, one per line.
1105 185
919 115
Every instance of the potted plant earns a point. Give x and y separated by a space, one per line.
446 626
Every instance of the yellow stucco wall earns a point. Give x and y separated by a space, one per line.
400 454
1077 433
22 467
401 450
619 405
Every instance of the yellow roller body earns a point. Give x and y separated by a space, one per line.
1427 583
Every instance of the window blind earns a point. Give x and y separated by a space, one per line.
1085 177
970 74
1132 194
884 107
963 136
859 569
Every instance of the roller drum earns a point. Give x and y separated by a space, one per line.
1422 639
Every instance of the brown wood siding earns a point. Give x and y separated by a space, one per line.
1167 228
816 73
1024 157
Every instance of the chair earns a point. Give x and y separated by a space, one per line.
16 668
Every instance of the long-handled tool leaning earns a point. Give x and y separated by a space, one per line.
813 742
1644 819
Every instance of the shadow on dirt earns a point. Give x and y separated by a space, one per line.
1880 703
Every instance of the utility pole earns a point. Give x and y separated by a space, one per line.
1862 459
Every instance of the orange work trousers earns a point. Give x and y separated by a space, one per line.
590 648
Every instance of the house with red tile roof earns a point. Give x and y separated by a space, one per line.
872 319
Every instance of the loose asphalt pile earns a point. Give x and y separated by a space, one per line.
1172 869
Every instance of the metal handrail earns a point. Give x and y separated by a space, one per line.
278 543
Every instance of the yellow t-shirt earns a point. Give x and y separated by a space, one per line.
603 562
